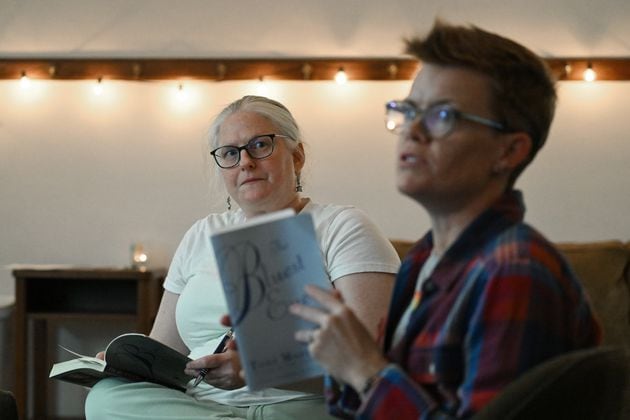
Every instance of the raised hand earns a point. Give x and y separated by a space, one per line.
341 344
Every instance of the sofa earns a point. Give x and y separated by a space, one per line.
604 270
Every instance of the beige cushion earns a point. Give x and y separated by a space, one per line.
402 247
602 269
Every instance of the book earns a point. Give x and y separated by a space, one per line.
264 265
132 356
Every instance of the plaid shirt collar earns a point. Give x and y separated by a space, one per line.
507 211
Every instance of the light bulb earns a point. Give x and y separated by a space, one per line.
182 98
24 80
262 89
98 87
567 69
180 94
589 74
341 77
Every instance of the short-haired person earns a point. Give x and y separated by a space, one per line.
258 150
483 296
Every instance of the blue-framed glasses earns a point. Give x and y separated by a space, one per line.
258 147
438 120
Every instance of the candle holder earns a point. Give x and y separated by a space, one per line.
139 258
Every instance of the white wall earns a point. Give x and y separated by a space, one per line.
83 177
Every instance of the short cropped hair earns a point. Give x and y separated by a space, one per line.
523 92
273 110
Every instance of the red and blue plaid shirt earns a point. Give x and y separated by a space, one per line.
501 300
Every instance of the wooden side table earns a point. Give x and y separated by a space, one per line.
54 295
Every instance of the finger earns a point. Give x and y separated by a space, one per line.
307 336
308 313
231 345
329 299
192 372
304 336
209 362
225 320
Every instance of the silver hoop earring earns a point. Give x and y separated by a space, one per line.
229 203
298 183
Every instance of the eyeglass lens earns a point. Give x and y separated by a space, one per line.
437 120
257 148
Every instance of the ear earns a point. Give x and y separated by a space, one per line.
299 158
516 150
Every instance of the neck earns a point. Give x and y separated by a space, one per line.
448 225
297 203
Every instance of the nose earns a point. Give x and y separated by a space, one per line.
415 130
245 159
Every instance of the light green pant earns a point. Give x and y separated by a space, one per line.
119 399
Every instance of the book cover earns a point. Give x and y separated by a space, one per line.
264 265
132 356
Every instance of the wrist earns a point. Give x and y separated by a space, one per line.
369 378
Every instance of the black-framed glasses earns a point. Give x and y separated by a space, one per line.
258 147
438 120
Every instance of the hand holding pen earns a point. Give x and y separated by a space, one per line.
220 349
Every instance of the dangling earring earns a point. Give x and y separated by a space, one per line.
298 184
229 203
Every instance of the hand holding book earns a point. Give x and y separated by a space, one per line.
340 342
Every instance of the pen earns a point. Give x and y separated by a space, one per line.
220 349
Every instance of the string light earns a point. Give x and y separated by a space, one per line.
24 80
392 70
341 77
221 70
98 87
262 89
589 74
567 69
183 97
307 71
276 69
180 94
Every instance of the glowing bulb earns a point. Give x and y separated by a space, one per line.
24 80
180 94
341 77
183 97
589 74
567 69
139 258
262 89
390 125
98 87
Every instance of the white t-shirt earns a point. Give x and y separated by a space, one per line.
349 241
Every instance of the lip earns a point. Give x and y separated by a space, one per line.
409 160
250 180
